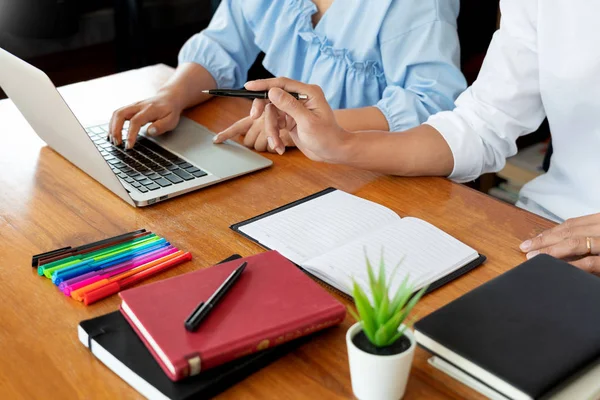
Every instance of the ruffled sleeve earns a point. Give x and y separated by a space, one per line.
423 78
225 48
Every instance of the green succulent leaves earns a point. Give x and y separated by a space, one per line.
382 317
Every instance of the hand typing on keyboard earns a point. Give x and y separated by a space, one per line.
146 166
162 111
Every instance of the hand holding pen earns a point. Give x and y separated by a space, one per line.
249 94
252 127
315 129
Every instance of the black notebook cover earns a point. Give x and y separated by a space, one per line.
435 285
534 327
113 333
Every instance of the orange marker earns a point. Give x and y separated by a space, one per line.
79 293
115 287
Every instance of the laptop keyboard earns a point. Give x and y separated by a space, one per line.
146 167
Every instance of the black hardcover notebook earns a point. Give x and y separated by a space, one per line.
533 332
115 343
328 233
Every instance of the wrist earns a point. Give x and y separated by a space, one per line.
173 95
345 148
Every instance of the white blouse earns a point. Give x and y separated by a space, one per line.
544 61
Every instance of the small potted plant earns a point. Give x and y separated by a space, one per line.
380 346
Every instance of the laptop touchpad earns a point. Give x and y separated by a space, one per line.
194 142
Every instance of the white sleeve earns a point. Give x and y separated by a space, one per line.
503 103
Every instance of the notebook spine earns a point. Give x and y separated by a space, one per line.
220 356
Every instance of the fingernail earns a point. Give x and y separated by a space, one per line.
525 245
252 112
275 94
280 150
532 254
215 138
152 131
270 142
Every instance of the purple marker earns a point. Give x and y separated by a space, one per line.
117 269
105 270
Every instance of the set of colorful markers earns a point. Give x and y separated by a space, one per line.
97 270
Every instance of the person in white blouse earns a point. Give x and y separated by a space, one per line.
544 61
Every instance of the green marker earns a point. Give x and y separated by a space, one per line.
67 261
72 271
80 257
100 253
49 268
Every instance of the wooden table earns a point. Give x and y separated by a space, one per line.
46 203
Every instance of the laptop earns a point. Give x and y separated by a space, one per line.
156 169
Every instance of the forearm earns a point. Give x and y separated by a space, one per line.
187 83
361 119
416 152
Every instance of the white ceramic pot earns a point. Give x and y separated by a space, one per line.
378 377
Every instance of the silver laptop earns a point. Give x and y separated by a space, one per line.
156 168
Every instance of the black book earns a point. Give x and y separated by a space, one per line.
112 340
533 332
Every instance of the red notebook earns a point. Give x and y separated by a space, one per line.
272 302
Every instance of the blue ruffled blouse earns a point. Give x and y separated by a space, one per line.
401 56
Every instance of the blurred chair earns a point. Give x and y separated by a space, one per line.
477 23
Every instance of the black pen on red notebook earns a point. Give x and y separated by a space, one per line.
249 94
203 309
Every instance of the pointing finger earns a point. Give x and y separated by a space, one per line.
240 127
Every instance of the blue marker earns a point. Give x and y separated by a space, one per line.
76 270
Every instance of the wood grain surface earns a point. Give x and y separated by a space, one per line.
47 203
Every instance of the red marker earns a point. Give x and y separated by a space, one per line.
115 287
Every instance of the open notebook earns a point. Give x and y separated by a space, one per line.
328 233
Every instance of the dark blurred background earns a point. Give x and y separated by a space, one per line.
74 40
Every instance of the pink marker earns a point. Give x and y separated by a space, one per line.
117 269
90 274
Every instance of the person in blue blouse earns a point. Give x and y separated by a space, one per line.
382 64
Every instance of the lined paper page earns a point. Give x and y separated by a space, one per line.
427 254
319 225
